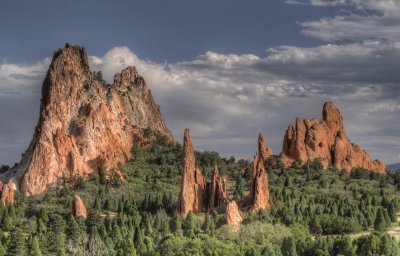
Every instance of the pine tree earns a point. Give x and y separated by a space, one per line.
17 246
73 230
139 244
343 246
6 223
289 246
315 226
176 225
189 225
392 211
129 248
207 224
34 249
380 223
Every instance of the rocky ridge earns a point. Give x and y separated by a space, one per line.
327 140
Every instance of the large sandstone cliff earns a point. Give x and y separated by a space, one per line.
85 124
325 139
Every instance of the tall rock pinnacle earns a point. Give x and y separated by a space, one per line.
259 188
85 124
325 139
193 185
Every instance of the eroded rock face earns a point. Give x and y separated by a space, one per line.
78 207
325 139
217 191
232 214
193 185
260 188
85 124
8 194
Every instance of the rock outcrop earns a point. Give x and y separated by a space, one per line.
85 124
217 191
197 194
8 194
259 188
78 207
232 214
325 139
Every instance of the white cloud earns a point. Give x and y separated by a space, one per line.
363 19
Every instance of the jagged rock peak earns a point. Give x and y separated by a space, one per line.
263 151
84 123
232 214
78 207
325 139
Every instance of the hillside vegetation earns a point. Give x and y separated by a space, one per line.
313 212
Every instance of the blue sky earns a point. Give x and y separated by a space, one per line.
227 69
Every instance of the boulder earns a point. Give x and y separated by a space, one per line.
232 214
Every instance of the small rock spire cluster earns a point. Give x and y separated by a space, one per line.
325 139
197 194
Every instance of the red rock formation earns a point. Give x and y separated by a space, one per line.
325 139
216 192
85 124
197 194
78 207
264 151
193 185
8 193
260 188
232 214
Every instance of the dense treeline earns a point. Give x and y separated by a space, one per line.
313 212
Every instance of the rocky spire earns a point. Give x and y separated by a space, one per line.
232 214
264 152
217 191
325 139
260 188
78 207
85 124
193 183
